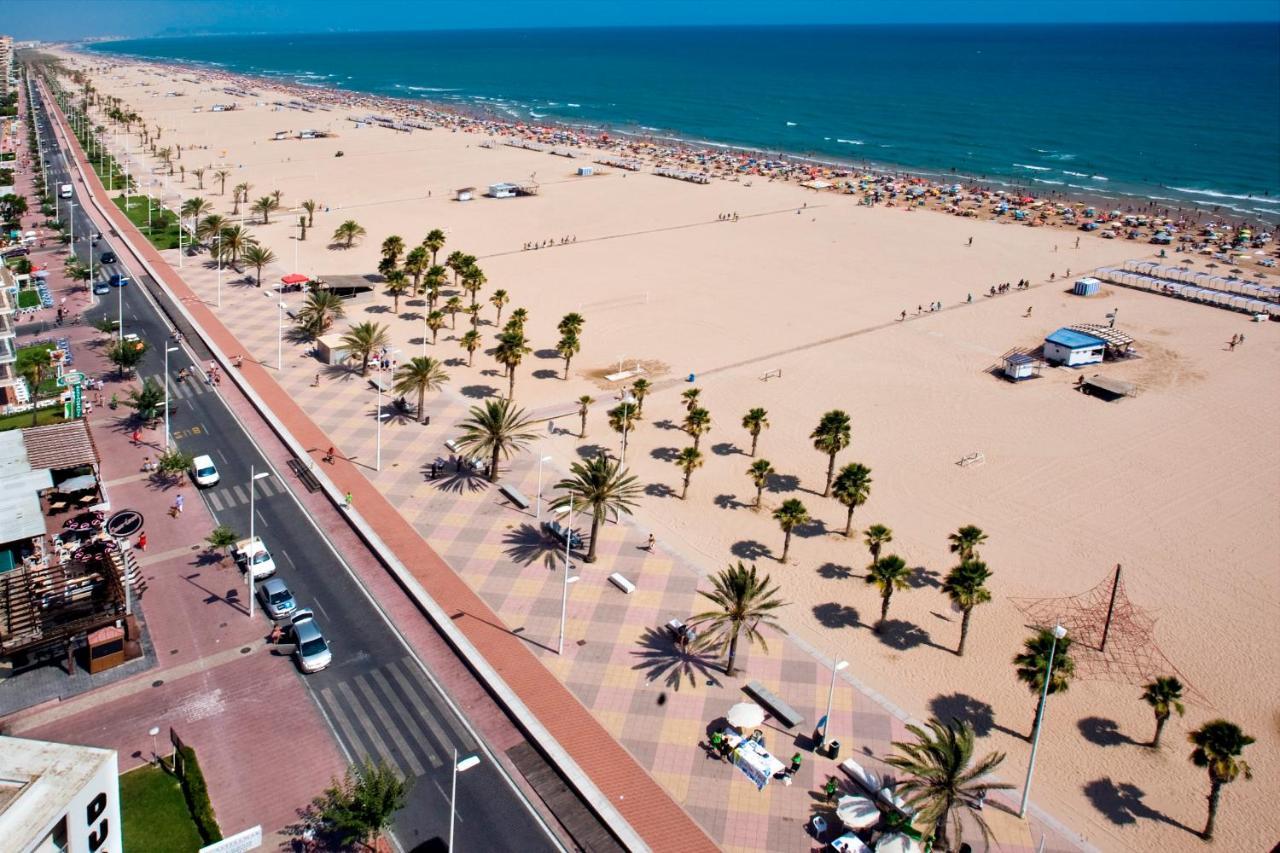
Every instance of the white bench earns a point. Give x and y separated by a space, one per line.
452 444
622 583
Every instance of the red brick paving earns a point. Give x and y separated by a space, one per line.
643 803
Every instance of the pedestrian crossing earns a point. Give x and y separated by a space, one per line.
395 715
226 497
184 390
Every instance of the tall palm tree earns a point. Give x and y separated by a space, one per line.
348 232
435 322
696 423
852 487
584 406
275 197
877 536
518 318
498 299
754 422
601 485
263 208
258 257
1218 747
209 227
571 323
1033 662
456 262
789 516
470 341
321 309
363 340
690 398
512 348
433 243
966 586
195 207
36 366
199 173
238 193
687 460
415 264
639 389
622 420
421 374
232 243
1164 695
397 285
310 207
567 348
497 429
451 307
221 175
830 436
433 280
392 248
760 472
887 574
743 602
473 279
942 781
966 540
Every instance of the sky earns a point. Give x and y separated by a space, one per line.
53 20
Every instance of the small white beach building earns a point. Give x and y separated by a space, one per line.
502 190
464 194
1073 348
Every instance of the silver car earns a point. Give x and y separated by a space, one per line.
311 649
276 598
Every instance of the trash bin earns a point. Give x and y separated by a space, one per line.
833 749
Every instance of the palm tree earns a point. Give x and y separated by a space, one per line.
687 460
743 601
35 367
497 429
1164 695
263 207
397 284
887 574
639 389
942 782
518 318
789 516
363 340
760 472
568 347
359 807
470 341
275 196
415 264
433 280
348 232
435 322
584 406
571 323
452 306
233 241
966 540
392 248
852 487
877 536
258 257
473 311
498 299
697 422
209 227
601 485
690 398
966 586
221 175
457 262
433 243
830 436
319 312
195 207
473 278
1032 664
512 348
421 374
166 156
622 420
1218 746
238 192
199 173
754 422
310 207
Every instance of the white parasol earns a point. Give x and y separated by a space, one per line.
857 812
745 715
896 842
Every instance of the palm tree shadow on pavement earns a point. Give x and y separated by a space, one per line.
590 451
903 635
527 545
660 657
750 550
779 483
922 577
967 709
665 454
729 502
1104 732
836 615
1122 804
459 480
659 490
478 392
835 572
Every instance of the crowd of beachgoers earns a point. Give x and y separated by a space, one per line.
1206 232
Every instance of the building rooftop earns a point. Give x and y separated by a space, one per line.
39 779
1073 339
63 445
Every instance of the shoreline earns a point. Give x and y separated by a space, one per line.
1126 202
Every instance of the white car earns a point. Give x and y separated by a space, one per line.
252 556
311 649
204 471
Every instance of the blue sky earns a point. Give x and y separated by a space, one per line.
71 19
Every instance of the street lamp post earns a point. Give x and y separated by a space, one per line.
458 767
249 568
627 400
280 335
377 465
71 220
168 349
541 459
218 238
564 594
1058 633
831 694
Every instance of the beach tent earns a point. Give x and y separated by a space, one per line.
295 278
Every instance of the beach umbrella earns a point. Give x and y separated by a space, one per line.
896 842
857 812
745 715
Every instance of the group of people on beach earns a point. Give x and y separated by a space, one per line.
544 244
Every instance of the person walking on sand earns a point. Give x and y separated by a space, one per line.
1231 344
970 241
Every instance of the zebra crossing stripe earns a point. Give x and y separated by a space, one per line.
405 717
340 717
241 496
420 706
374 702
214 501
366 725
428 690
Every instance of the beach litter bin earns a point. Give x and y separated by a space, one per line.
833 748
692 378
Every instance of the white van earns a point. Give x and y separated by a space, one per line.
252 556
64 191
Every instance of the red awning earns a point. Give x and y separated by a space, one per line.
295 278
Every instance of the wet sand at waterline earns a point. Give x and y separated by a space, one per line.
1179 484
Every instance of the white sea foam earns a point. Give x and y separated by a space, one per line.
537 115
1216 194
430 88
851 141
1099 178
1075 174
791 124
573 105
1032 168
1043 181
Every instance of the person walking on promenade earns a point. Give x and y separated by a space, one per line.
176 509
348 500
328 455
652 542
142 541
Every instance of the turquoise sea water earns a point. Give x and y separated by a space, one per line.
1183 114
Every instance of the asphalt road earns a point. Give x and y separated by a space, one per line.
377 698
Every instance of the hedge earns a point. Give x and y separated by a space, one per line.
197 794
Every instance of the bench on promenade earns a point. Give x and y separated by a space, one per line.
783 712
452 444
622 583
380 384
876 787
305 475
513 494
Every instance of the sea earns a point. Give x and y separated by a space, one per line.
1186 115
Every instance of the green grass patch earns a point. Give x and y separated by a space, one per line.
155 814
28 299
164 223
22 420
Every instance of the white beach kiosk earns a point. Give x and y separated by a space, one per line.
1073 348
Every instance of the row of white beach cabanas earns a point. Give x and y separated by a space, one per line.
1206 295
1200 278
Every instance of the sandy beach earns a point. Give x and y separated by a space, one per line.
1177 484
